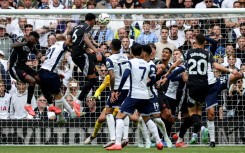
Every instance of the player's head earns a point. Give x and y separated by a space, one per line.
146 51
166 54
200 39
116 45
33 37
136 50
90 19
177 54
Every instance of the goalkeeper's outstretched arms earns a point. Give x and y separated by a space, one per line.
106 83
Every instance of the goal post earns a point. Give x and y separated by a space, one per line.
229 120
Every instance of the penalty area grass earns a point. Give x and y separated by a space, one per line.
99 149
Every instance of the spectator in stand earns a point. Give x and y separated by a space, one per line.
163 43
5 99
27 4
206 4
5 41
73 89
231 59
125 45
6 5
147 36
75 106
3 61
128 4
181 27
229 51
121 33
19 29
107 54
240 51
188 40
18 102
27 29
242 2
103 4
228 3
102 35
41 110
188 4
56 4
154 26
91 110
77 4
174 37
45 4
154 4
104 47
240 31
91 4
174 3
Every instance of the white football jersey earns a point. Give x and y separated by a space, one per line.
140 71
117 63
4 106
53 56
152 90
211 77
172 88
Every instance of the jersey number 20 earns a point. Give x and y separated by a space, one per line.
198 67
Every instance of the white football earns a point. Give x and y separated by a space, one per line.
104 18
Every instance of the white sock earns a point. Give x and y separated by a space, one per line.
140 136
67 106
203 128
153 129
119 131
179 140
144 130
211 130
160 124
59 104
126 127
111 126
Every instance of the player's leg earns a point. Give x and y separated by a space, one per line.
97 127
110 123
128 107
195 114
144 132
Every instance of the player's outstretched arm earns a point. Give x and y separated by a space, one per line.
224 69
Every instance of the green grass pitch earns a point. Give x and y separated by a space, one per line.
98 149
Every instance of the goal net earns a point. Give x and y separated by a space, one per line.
225 27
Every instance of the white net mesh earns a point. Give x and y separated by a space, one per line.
227 29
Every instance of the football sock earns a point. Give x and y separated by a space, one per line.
111 126
126 127
197 123
153 129
119 131
211 130
160 124
143 130
187 123
97 127
86 88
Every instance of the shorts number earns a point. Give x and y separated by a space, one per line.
143 74
195 67
156 106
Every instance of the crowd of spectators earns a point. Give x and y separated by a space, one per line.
225 38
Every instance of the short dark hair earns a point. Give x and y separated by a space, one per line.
28 26
242 24
170 50
90 17
34 34
116 44
146 22
147 49
200 39
136 49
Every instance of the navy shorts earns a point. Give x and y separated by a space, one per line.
154 105
117 103
214 90
130 104
50 81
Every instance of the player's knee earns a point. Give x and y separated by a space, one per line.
133 118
